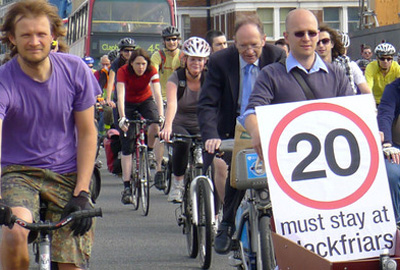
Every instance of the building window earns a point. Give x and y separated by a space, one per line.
267 18
283 12
186 26
353 18
331 17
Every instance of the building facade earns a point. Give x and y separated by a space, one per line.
195 17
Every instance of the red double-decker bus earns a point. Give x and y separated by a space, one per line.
96 26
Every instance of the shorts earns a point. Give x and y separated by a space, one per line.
23 186
148 109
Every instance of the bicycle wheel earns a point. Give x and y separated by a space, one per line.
267 247
135 186
204 226
168 176
189 229
144 179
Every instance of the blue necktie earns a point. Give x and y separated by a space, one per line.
247 86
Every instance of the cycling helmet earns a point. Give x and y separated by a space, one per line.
385 49
170 31
345 39
88 60
363 63
112 55
126 42
196 46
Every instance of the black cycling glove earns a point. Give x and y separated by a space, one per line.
80 202
5 215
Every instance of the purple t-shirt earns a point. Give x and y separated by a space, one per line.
38 119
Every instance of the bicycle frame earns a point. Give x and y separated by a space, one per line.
256 209
140 137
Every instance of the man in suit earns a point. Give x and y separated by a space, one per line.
222 100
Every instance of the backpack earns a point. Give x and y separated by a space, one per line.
164 58
112 147
182 81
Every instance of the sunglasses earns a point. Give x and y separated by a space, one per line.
388 59
171 39
324 41
301 34
128 50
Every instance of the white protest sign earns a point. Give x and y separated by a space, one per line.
327 176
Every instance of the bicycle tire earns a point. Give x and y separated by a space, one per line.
204 226
134 186
144 180
266 245
168 176
189 229
95 184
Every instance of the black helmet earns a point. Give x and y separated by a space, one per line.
112 55
126 42
170 31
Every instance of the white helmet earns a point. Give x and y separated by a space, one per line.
385 49
345 39
196 46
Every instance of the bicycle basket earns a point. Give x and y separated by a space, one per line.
249 173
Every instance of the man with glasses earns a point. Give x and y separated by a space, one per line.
325 79
223 99
276 82
366 53
166 61
126 47
382 71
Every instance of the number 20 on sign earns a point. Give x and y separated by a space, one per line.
321 146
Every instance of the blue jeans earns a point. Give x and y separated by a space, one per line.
393 172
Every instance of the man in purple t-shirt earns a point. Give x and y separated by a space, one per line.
48 140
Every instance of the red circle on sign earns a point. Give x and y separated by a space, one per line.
273 160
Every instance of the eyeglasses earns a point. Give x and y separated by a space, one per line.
383 59
301 34
128 50
324 41
247 47
171 39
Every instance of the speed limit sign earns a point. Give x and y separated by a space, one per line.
324 162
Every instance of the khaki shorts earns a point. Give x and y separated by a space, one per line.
22 186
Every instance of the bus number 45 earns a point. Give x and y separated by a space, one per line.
299 173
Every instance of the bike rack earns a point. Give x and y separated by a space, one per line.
290 255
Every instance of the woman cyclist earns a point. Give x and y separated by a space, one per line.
181 114
138 85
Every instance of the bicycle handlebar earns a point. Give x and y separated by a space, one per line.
50 226
178 136
143 121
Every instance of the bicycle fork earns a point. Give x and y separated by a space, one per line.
246 249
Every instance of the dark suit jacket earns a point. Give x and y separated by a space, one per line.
218 101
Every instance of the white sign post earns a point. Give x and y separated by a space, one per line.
327 176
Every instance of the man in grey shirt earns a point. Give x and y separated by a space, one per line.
276 83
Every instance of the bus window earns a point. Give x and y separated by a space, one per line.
139 16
